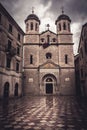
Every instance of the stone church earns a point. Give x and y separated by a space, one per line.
48 59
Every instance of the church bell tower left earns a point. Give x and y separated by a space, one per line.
32 23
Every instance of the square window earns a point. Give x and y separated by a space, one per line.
8 62
18 50
18 37
17 67
10 28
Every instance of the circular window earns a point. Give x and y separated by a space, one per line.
48 55
48 80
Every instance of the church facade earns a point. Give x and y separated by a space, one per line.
48 59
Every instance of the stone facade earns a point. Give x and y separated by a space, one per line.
48 60
11 49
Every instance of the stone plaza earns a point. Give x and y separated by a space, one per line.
43 113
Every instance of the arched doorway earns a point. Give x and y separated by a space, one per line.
6 90
16 90
49 86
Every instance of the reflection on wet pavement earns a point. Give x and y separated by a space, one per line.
43 113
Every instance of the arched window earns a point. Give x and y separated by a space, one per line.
64 26
48 80
59 27
48 55
6 90
31 25
8 61
17 67
16 90
66 59
31 59
42 39
54 39
36 26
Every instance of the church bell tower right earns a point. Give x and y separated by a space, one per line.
63 29
66 56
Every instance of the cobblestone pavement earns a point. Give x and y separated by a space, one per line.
44 113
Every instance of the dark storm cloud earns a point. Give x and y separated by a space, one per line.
10 5
76 9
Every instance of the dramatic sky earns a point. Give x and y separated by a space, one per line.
48 11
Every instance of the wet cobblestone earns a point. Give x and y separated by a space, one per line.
44 113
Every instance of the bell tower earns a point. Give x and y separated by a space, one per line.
32 23
63 28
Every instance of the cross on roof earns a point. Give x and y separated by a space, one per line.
62 9
48 26
33 10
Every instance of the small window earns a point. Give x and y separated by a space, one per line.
10 28
48 80
42 39
8 62
31 59
54 40
66 59
48 55
18 50
31 26
36 26
64 26
18 37
9 44
17 67
59 27
16 90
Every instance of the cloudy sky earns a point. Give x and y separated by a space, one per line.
48 11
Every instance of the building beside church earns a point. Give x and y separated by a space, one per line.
81 62
48 59
11 49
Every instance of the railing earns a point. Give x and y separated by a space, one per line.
10 50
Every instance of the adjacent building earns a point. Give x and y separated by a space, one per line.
82 61
11 43
48 60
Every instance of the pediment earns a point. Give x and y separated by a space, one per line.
49 65
48 32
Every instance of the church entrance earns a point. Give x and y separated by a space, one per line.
49 86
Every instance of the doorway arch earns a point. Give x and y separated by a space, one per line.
49 86
49 83
6 90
